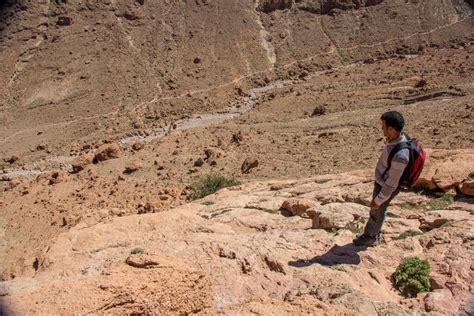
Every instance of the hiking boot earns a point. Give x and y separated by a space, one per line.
365 240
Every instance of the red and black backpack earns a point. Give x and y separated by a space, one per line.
415 165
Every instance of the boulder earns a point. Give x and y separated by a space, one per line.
441 301
449 173
198 162
445 170
249 164
212 153
142 261
328 220
337 215
421 83
437 281
298 206
12 159
58 177
138 146
356 210
237 137
467 187
319 110
64 21
82 161
133 166
108 151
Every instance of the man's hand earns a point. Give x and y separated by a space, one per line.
373 205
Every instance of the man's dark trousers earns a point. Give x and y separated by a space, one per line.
377 216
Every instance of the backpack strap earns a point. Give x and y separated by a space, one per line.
393 152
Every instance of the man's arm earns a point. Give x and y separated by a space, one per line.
399 163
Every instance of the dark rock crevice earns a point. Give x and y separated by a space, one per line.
327 6
316 6
268 6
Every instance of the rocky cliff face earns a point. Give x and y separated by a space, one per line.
71 64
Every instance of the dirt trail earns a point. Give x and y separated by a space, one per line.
196 121
332 50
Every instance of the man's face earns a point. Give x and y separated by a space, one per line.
385 129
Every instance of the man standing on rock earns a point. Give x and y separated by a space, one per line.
387 178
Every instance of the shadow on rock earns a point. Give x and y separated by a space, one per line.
4 311
346 254
286 213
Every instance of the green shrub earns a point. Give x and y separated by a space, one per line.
423 192
208 203
442 202
322 181
409 206
137 250
471 175
357 227
412 276
410 233
269 210
447 197
209 184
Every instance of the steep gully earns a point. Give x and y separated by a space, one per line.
203 120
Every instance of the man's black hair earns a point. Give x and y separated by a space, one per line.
393 119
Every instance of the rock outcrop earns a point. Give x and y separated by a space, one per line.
239 252
446 170
107 151
82 161
467 187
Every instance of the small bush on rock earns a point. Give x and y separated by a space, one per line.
137 250
410 233
208 203
442 202
210 184
412 276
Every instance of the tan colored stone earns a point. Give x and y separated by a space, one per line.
142 261
441 301
445 169
249 164
467 187
298 207
108 151
335 215
133 166
437 281
58 177
138 146
452 172
82 161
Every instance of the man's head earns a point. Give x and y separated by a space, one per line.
392 124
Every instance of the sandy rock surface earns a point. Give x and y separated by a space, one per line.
239 254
